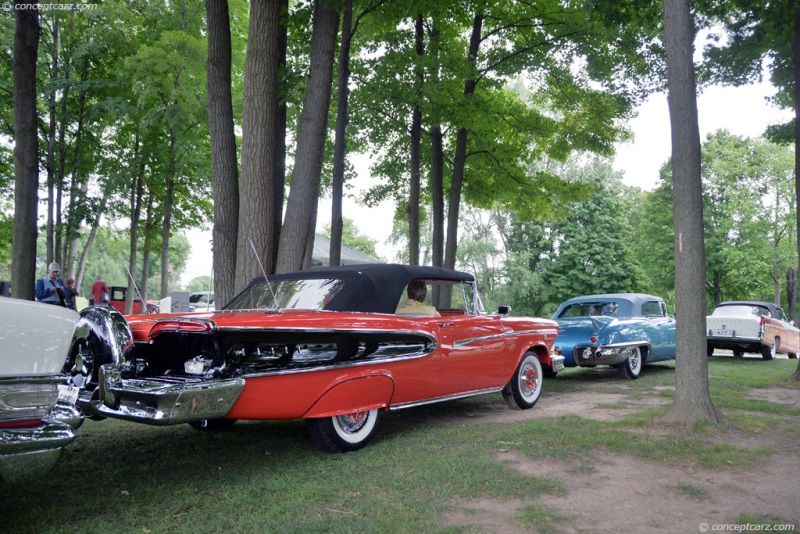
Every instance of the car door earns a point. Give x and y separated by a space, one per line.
661 330
474 348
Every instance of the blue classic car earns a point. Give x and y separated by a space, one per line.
623 330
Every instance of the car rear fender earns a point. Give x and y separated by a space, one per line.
355 395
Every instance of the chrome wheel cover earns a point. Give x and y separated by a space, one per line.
635 360
352 422
529 379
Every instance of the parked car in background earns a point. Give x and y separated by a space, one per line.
118 294
623 330
752 326
203 301
326 346
35 339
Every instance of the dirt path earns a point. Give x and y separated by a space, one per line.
623 494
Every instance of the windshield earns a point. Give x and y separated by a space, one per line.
585 309
741 311
297 294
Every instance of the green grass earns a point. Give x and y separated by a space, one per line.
267 476
695 492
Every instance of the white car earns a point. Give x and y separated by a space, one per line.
752 326
35 339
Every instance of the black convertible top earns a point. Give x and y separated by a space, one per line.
371 287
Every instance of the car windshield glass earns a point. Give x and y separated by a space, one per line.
585 309
741 310
299 294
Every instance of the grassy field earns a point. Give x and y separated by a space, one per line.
268 477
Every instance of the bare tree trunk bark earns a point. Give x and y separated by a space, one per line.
26 165
437 194
340 145
791 292
137 192
259 119
692 398
148 245
311 139
71 233
224 164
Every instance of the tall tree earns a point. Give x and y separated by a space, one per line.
312 130
26 165
223 149
259 120
692 397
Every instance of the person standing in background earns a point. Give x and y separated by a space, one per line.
100 291
50 288
70 294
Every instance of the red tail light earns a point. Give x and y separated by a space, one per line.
22 423
593 339
174 326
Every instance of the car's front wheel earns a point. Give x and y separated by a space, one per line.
525 387
632 367
343 433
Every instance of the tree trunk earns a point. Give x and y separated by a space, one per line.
310 139
223 150
51 146
167 227
137 191
89 242
692 399
437 194
148 239
73 222
437 180
416 150
340 146
26 168
279 178
459 163
796 65
791 292
259 119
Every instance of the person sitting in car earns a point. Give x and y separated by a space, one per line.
415 304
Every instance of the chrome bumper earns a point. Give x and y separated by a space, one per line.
612 354
556 362
29 453
164 401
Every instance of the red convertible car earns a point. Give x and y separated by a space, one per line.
324 345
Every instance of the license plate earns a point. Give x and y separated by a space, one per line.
68 394
723 332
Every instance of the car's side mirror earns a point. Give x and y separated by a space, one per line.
504 310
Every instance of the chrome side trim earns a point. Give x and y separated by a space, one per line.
443 399
469 341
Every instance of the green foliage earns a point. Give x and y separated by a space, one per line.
200 284
748 219
354 239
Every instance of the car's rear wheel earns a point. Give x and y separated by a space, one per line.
212 425
525 387
343 433
632 367
709 351
769 353
792 355
738 354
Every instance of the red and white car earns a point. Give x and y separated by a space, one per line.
752 326
325 346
